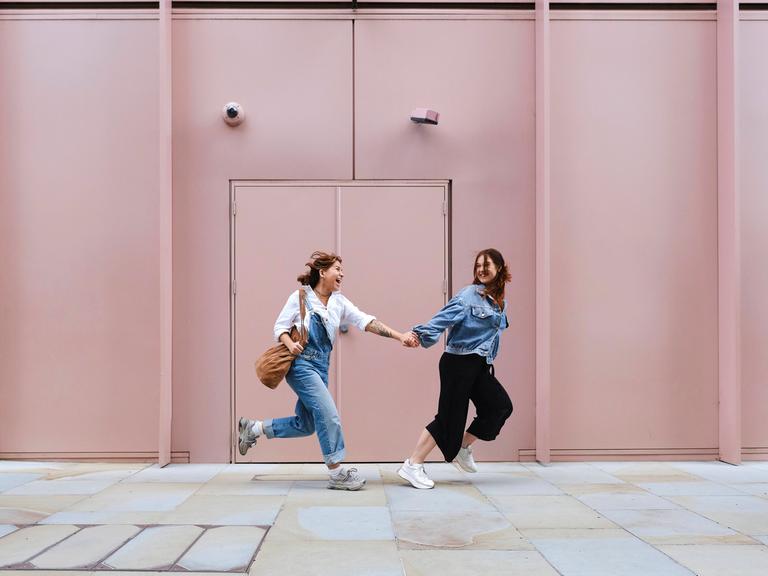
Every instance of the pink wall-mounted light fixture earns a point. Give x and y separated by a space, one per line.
425 116
233 113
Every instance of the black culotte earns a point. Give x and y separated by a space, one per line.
464 378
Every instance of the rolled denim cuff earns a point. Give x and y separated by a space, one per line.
334 458
267 426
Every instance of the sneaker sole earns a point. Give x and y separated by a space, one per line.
241 444
412 483
349 488
462 468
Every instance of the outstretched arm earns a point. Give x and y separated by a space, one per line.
377 327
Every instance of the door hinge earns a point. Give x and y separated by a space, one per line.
445 286
445 207
234 208
234 287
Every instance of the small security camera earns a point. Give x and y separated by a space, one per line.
233 113
425 116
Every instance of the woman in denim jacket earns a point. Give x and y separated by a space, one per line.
316 411
474 319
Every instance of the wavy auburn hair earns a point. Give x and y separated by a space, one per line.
318 261
496 288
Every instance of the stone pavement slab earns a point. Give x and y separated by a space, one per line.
721 560
85 548
227 548
155 548
23 544
595 556
327 558
475 563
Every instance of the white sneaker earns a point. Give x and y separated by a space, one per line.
415 474
464 460
347 479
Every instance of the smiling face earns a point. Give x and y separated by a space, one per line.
485 269
330 278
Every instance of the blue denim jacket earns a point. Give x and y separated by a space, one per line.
474 324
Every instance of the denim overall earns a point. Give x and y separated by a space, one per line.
315 409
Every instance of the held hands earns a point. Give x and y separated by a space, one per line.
410 340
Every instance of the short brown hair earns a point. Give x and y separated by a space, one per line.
318 261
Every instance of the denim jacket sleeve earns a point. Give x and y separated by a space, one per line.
450 314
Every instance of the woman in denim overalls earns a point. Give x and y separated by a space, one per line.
475 318
316 411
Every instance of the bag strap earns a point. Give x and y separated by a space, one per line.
303 310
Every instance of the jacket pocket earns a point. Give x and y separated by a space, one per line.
482 312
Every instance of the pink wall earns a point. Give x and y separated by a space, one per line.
633 209
754 215
78 237
634 237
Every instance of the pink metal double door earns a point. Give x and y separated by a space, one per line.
393 238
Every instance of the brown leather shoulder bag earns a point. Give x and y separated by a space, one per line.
273 365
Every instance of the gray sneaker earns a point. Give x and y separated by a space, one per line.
247 436
348 480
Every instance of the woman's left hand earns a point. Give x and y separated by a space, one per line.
410 340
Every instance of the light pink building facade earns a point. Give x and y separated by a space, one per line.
615 157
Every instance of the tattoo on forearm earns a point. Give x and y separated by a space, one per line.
378 328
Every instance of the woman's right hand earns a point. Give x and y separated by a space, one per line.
294 347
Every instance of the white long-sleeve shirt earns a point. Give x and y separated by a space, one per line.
338 311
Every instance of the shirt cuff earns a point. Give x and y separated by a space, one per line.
364 321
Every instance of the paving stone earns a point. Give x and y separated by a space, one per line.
621 556
721 560
327 558
226 511
478 530
86 547
154 548
23 544
227 548
11 481
675 527
549 512
475 562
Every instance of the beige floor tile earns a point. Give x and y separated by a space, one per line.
226 511
479 530
582 489
721 560
549 512
349 523
573 533
97 517
746 514
30 509
323 558
475 563
456 498
155 548
246 487
227 548
177 473
675 527
27 542
135 497
316 492
86 548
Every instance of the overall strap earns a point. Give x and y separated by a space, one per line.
302 311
